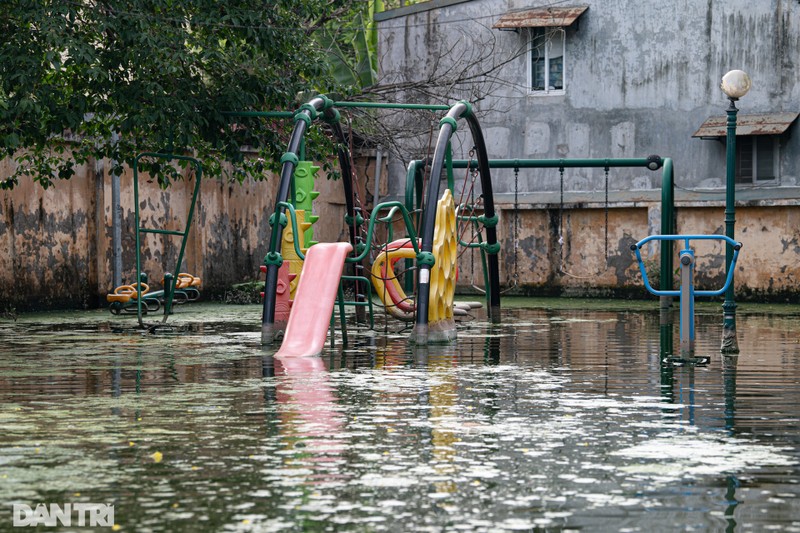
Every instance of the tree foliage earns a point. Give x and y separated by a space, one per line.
120 77
351 49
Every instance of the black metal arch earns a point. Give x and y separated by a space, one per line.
447 126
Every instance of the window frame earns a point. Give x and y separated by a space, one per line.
548 33
753 141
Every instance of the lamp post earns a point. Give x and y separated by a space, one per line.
735 84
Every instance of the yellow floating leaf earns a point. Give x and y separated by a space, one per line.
157 456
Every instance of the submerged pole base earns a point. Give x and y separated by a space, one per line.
439 332
420 334
686 360
272 333
730 345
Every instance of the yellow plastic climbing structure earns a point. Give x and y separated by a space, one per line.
443 273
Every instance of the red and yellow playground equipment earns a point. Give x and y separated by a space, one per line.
304 194
443 274
434 251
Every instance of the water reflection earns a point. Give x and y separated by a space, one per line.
552 420
311 424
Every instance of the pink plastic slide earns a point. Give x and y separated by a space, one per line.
313 302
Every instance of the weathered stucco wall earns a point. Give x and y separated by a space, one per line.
580 263
56 244
48 243
640 78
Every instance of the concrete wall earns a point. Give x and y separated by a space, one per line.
641 77
56 244
588 253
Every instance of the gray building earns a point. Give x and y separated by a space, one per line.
614 79
599 79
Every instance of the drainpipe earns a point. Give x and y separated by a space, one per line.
116 218
378 164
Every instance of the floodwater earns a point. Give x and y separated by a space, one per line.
561 418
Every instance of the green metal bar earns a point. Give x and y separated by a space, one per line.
384 105
371 228
388 220
293 218
368 302
475 221
342 316
198 178
448 161
560 163
261 114
162 231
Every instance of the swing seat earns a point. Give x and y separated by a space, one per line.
126 293
125 298
185 280
186 288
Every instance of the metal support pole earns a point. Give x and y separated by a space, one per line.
687 302
667 228
730 345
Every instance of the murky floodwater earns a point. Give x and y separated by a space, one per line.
557 419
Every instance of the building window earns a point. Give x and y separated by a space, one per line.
547 47
756 158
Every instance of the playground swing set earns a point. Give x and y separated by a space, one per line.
179 287
303 278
